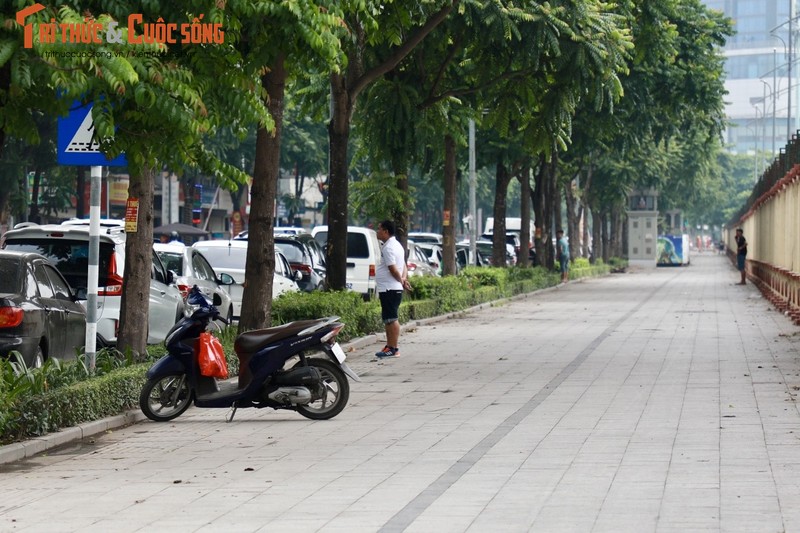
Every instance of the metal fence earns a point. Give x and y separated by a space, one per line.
771 223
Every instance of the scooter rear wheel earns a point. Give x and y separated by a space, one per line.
166 397
330 397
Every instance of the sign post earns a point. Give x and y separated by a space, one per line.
77 145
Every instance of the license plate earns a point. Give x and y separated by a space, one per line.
338 352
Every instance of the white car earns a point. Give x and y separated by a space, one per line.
190 268
421 237
363 257
230 257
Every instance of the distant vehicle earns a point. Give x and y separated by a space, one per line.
67 248
191 268
277 230
462 254
417 261
426 238
484 246
288 230
40 315
435 255
304 259
363 256
230 257
512 244
513 224
104 222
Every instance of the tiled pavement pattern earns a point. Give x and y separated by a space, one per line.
660 400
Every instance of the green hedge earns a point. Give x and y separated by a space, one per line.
35 402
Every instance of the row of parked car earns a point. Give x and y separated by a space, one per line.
43 290
44 279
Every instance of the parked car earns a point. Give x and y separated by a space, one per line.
421 237
305 255
363 256
40 314
435 255
104 222
304 260
417 261
66 246
462 256
288 230
512 246
230 257
277 230
190 268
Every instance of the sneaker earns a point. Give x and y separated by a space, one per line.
388 352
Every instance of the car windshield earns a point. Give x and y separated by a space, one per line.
172 261
10 276
225 256
70 257
293 252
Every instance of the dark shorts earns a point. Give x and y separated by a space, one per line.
390 305
564 264
740 261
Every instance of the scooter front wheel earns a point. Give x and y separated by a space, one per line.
165 397
330 396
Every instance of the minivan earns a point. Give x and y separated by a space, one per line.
363 257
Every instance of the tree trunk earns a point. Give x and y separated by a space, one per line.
338 183
540 237
260 265
597 236
573 214
502 179
549 215
135 304
616 228
450 222
401 217
605 235
525 212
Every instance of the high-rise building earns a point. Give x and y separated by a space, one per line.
762 74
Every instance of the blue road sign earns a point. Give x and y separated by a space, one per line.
75 143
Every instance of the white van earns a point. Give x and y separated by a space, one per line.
363 257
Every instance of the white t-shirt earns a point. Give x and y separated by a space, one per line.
391 254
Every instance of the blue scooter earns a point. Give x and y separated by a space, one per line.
273 369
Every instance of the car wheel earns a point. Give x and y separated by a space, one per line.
38 358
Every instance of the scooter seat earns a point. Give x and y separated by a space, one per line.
252 341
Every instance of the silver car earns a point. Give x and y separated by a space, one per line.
190 268
417 263
230 257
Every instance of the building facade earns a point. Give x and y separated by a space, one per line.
763 93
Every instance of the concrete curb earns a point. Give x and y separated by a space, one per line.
22 450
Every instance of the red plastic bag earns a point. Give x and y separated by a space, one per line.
211 357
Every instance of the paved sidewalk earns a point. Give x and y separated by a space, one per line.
660 400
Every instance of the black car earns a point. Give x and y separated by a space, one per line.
40 316
305 256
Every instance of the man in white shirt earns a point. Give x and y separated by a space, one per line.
391 278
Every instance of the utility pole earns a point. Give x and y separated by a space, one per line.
473 252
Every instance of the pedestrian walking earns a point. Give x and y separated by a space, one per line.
391 278
563 255
741 254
